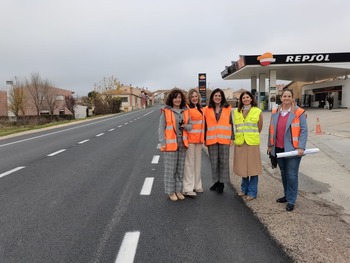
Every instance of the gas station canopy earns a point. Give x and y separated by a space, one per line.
292 67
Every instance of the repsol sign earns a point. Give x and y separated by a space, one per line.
307 58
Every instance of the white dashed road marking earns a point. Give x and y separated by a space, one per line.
128 248
84 141
155 159
12 171
98 135
52 154
147 186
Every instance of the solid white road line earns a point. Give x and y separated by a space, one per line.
56 132
155 159
147 186
98 135
128 248
84 141
12 171
52 154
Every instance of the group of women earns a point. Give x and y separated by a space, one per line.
185 126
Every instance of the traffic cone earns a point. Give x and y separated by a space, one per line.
318 127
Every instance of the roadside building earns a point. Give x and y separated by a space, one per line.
42 101
318 75
3 104
133 98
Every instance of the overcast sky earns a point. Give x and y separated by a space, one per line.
159 44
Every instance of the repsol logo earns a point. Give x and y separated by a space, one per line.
307 58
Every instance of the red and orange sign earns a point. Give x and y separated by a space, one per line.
266 59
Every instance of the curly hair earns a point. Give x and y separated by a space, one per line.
172 95
223 99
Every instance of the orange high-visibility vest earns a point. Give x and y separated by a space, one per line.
218 131
295 128
170 131
196 135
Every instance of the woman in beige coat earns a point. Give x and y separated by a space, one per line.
248 121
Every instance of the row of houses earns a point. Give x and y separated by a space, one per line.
33 102
52 101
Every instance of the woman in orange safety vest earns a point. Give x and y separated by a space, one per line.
288 132
192 175
173 127
219 136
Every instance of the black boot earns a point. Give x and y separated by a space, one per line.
215 186
220 188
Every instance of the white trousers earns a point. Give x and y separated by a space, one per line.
192 179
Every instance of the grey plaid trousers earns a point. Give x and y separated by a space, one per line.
219 155
174 164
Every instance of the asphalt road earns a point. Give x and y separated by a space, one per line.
79 194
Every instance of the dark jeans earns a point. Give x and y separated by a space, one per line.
289 172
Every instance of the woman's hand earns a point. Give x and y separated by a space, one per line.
300 152
269 149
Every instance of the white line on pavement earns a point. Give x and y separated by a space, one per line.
98 135
84 141
120 126
12 171
147 186
155 159
52 154
158 146
126 123
111 129
127 250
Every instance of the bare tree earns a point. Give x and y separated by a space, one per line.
17 100
36 90
50 97
70 104
102 95
108 83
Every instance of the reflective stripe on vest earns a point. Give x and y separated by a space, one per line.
295 128
196 135
170 131
218 131
247 129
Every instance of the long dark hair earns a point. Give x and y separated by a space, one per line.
240 103
223 99
172 95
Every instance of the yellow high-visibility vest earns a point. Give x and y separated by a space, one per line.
247 129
